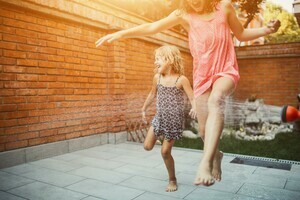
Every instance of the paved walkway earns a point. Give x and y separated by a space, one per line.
125 171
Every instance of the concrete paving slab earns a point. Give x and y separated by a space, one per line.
7 196
268 192
126 171
38 191
53 177
101 174
105 190
9 181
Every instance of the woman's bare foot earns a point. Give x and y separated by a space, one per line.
204 175
172 186
217 171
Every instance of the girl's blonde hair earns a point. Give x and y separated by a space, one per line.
171 54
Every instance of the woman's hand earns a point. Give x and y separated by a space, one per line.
193 113
273 26
108 38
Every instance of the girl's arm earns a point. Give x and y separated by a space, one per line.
243 34
144 29
150 97
189 92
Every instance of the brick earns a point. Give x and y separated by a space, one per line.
8 45
16 115
28 120
36 42
27 62
15 84
55 45
55 31
4 139
14 54
47 78
6 29
36 99
42 106
36 85
56 138
27 106
45 36
7 92
27 77
50 132
36 56
8 123
14 99
48 64
37 141
8 108
48 50
38 70
73 135
25 47
26 18
7 13
72 60
39 127
55 71
26 33
56 98
16 145
56 85
14 38
7 77
28 135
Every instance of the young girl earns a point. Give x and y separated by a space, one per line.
169 86
209 24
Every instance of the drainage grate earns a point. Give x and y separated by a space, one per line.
262 163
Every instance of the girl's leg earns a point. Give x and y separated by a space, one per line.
202 113
150 139
169 162
213 128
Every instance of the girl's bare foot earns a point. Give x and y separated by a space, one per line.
217 171
204 176
172 186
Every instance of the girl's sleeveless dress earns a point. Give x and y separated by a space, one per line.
212 48
169 117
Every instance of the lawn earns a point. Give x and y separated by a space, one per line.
285 146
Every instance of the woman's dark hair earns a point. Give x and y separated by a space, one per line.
209 6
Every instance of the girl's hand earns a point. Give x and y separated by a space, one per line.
144 117
193 113
273 26
108 38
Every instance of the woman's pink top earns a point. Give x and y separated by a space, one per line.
213 51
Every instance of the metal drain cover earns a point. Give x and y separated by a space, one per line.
262 163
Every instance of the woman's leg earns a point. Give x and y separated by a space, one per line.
202 113
213 128
150 139
169 162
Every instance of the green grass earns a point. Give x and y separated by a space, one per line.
285 146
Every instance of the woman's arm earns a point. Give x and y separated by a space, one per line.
144 29
150 98
243 34
190 94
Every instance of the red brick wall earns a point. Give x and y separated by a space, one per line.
55 85
270 72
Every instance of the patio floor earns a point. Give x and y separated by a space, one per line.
125 171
